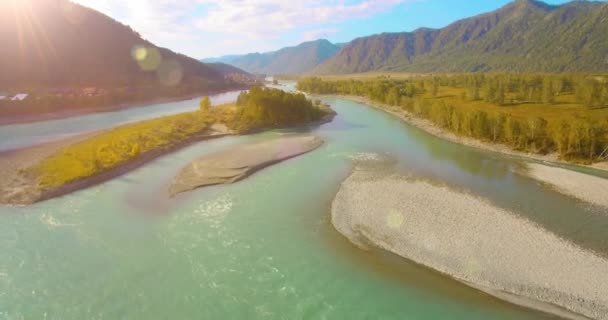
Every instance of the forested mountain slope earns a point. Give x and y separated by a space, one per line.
523 36
58 43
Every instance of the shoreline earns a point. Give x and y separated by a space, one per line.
431 128
33 118
488 248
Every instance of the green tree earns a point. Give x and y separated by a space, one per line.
497 126
560 135
512 131
548 91
205 104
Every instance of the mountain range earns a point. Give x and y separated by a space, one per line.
58 43
290 60
522 36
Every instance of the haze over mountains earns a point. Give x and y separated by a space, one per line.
523 36
58 43
291 60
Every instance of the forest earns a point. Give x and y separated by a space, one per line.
267 107
538 113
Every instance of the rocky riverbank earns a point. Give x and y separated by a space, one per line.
473 241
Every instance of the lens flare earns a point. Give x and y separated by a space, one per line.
394 219
148 58
138 53
170 73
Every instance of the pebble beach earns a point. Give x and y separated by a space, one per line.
473 241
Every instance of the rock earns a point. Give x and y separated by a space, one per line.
240 161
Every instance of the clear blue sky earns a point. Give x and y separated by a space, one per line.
205 28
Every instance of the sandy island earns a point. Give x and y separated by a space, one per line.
473 241
240 161
585 187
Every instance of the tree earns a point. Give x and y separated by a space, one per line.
500 95
435 87
512 131
497 125
205 104
604 96
537 133
548 92
560 136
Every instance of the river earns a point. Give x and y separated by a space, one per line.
263 248
27 134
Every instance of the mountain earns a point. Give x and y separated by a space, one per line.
523 36
291 60
225 69
223 59
58 43
234 74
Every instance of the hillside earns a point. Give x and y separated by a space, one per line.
291 60
234 74
523 36
226 69
57 43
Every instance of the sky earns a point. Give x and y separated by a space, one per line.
210 28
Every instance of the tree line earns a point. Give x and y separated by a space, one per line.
266 107
575 138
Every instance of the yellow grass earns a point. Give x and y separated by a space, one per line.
116 146
563 108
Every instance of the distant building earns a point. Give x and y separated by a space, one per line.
19 97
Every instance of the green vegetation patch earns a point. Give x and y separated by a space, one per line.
266 107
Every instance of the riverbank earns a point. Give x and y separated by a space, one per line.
37 117
473 241
431 128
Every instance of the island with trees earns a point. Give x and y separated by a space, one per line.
104 155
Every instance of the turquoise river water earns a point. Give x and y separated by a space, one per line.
262 248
